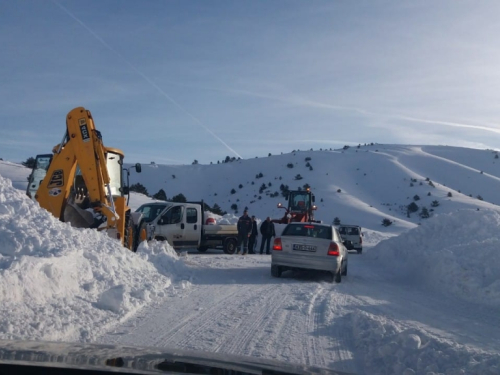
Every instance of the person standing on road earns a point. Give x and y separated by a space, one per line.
253 237
244 230
267 231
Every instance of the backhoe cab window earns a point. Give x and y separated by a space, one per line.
172 216
114 165
299 202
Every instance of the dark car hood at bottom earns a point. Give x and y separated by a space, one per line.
127 359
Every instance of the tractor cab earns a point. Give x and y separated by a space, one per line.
300 207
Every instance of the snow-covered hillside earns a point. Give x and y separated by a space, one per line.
375 182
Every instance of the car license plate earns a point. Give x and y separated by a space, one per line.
303 247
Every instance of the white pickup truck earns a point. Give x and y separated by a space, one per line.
183 226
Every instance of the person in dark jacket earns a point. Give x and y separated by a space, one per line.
244 231
253 237
267 231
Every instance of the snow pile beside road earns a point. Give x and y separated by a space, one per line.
455 253
388 348
62 283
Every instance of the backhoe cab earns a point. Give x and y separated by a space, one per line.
82 181
300 207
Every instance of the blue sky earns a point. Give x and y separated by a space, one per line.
174 81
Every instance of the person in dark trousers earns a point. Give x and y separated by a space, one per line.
267 231
253 237
244 230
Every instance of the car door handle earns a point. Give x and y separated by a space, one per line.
182 225
195 227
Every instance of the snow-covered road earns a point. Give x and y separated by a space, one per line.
370 322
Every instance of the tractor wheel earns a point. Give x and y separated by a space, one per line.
129 235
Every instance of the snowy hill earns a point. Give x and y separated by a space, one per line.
375 182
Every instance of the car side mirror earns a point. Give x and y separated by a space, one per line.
138 168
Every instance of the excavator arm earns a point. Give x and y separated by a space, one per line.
81 147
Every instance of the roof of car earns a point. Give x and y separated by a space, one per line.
350 226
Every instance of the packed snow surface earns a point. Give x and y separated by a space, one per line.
423 298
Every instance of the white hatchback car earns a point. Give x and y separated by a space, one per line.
310 246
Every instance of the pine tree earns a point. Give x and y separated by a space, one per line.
161 195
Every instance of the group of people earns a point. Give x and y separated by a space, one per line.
248 233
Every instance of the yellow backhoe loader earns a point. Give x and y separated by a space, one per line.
81 182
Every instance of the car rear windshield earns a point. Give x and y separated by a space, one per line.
308 230
349 231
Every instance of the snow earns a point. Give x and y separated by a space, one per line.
455 253
80 278
423 297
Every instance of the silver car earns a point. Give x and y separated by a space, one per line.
310 246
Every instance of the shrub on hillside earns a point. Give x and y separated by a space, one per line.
290 165
139 188
161 195
29 163
412 207
386 222
424 213
336 221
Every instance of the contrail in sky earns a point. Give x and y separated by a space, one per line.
310 103
159 89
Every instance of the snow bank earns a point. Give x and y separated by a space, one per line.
62 283
388 348
456 253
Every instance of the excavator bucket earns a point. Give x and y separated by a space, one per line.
77 217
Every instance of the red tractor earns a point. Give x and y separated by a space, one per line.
300 207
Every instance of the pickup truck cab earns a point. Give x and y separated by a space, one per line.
182 226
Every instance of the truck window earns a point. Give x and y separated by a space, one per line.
173 216
191 215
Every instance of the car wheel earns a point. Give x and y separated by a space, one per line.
230 246
336 276
359 251
275 271
202 249
344 272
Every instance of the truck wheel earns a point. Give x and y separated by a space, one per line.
202 249
230 246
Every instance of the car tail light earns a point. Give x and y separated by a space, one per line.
333 249
277 244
